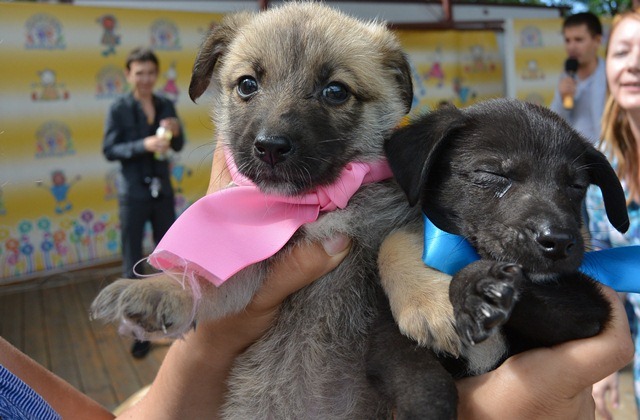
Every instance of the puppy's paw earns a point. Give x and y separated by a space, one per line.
430 325
483 297
418 295
149 308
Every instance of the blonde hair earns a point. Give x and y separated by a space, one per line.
616 135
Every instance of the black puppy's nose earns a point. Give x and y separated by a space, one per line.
556 243
272 149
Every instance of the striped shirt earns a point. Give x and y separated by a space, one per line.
19 402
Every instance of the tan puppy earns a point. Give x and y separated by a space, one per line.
299 92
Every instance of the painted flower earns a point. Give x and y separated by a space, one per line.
59 236
87 216
46 246
44 224
12 244
25 227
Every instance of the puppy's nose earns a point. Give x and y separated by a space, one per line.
556 243
272 149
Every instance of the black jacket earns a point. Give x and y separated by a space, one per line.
124 133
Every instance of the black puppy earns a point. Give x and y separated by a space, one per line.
510 177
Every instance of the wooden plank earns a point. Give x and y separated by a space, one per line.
11 310
116 358
95 380
60 345
35 334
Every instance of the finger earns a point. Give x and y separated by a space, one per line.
601 405
569 368
298 268
615 397
220 176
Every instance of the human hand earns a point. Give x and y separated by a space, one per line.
567 86
608 387
191 382
220 175
155 144
291 272
550 383
172 125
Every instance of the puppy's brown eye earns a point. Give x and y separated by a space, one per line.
247 87
335 93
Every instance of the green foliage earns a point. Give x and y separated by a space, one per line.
607 7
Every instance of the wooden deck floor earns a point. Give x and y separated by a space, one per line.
49 321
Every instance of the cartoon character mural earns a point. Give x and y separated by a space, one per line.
436 71
53 138
170 88
59 189
110 82
109 37
462 91
44 32
480 61
48 89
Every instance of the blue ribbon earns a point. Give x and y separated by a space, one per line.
618 268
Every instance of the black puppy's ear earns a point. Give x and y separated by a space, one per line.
214 47
603 175
411 150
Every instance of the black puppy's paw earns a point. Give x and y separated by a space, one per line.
483 295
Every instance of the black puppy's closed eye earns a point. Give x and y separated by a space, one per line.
247 87
489 179
335 93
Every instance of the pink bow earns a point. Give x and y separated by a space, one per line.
226 231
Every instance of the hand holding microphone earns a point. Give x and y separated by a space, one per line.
568 90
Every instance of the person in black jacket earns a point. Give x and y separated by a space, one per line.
140 129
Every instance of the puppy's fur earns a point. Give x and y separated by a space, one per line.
510 177
298 92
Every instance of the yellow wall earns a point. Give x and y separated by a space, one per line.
55 126
459 67
61 69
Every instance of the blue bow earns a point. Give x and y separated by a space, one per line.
618 268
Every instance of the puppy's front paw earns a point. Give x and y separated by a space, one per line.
418 295
148 308
430 324
483 296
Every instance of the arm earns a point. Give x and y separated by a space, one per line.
550 383
191 380
169 119
116 144
61 396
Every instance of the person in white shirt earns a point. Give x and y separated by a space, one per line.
587 86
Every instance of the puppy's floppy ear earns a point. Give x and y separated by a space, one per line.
412 150
399 64
214 47
603 175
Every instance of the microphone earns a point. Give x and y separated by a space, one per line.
570 67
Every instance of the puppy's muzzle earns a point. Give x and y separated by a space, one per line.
272 149
556 243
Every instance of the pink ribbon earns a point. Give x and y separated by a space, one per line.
226 231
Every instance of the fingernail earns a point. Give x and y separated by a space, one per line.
336 244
